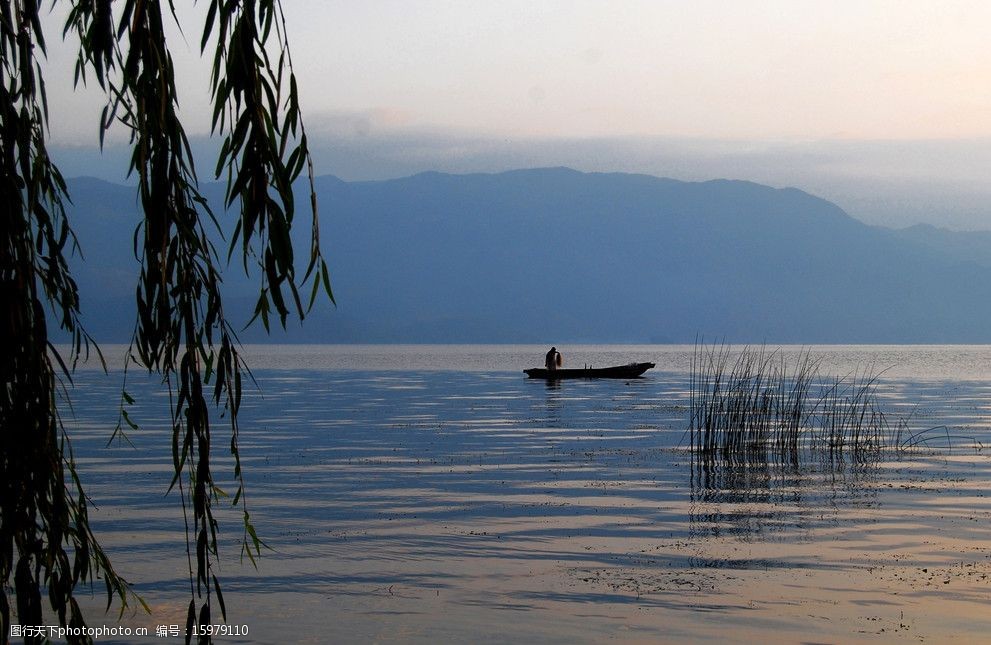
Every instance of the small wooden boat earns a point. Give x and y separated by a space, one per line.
633 370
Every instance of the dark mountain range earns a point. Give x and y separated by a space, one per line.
555 256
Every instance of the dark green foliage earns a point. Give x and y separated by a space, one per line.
181 331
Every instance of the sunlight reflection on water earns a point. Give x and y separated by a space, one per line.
436 505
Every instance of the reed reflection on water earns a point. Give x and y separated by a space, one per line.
426 505
758 498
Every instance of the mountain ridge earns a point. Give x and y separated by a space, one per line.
558 255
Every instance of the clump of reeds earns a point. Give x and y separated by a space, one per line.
757 407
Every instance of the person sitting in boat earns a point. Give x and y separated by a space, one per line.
553 359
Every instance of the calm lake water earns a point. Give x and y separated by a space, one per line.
434 494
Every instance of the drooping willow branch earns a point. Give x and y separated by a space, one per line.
181 330
45 538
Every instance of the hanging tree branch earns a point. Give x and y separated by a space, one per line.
181 330
45 538
265 149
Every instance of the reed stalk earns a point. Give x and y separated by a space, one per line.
754 406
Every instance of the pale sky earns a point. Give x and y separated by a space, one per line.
741 70
755 75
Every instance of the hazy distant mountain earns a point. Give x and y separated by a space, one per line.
555 256
969 246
